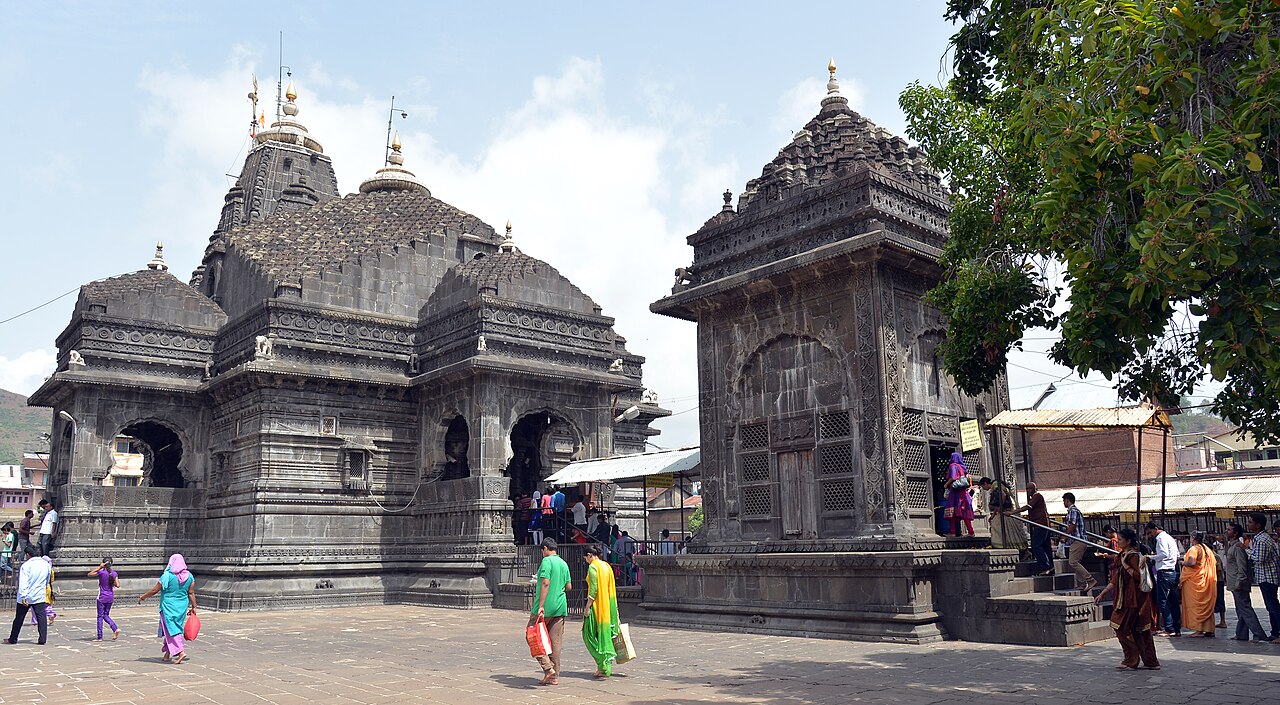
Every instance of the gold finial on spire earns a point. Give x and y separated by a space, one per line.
831 67
395 142
291 93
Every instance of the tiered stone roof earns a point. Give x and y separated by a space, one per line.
514 276
838 142
310 241
157 283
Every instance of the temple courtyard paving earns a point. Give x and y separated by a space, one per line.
397 654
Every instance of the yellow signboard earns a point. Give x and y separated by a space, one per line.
1128 517
660 480
970 436
1224 513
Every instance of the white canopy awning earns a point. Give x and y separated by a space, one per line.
622 468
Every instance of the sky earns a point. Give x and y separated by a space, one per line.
604 134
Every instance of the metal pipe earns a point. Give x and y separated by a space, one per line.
1100 547
1138 510
1164 471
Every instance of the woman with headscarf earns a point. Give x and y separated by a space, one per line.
600 621
1199 583
1134 615
959 506
177 590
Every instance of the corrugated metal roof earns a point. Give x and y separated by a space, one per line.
628 467
1124 417
1180 496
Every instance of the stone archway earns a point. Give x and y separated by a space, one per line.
162 451
457 439
542 442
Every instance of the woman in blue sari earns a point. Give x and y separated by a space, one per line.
177 590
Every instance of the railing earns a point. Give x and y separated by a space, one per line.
1086 533
1064 534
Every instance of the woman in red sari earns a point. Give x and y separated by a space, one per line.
1134 614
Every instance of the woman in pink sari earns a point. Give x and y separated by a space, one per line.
177 601
959 505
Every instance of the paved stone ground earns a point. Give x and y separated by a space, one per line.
421 655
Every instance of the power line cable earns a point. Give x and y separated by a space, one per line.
37 308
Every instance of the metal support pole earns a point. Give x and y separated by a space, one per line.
1164 470
645 484
1138 511
1028 476
683 526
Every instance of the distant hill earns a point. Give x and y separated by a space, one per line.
1199 423
20 425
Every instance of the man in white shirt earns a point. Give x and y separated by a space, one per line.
1166 562
48 527
33 580
580 515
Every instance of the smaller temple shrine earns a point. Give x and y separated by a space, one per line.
826 419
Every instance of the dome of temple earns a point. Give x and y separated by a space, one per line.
393 176
512 275
287 129
151 294
306 242
838 142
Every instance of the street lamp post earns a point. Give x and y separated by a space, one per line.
75 432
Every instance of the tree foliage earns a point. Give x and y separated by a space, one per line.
1136 144
695 520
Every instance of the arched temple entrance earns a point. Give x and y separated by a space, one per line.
161 449
541 444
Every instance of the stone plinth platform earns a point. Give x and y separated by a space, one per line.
900 596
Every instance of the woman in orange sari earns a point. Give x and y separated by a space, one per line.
1134 614
1199 584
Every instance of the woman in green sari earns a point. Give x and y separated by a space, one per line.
600 618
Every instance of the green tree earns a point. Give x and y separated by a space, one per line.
695 521
1137 145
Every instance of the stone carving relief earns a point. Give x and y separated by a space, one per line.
75 360
264 347
869 392
892 353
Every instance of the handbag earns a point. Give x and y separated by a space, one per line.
960 483
622 645
538 638
191 629
1147 584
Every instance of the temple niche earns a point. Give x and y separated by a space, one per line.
340 404
825 415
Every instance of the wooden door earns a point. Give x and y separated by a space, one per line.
796 486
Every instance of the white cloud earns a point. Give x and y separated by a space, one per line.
798 104
26 372
605 198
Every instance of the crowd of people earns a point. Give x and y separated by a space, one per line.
547 514
36 577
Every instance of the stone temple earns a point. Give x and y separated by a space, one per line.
826 420
340 404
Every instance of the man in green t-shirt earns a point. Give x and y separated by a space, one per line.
551 606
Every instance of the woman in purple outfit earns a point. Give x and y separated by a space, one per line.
959 505
108 581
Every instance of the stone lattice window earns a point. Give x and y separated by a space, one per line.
757 501
918 493
753 436
913 422
836 425
754 467
917 457
355 469
839 495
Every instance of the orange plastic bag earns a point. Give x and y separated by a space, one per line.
538 638
191 629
